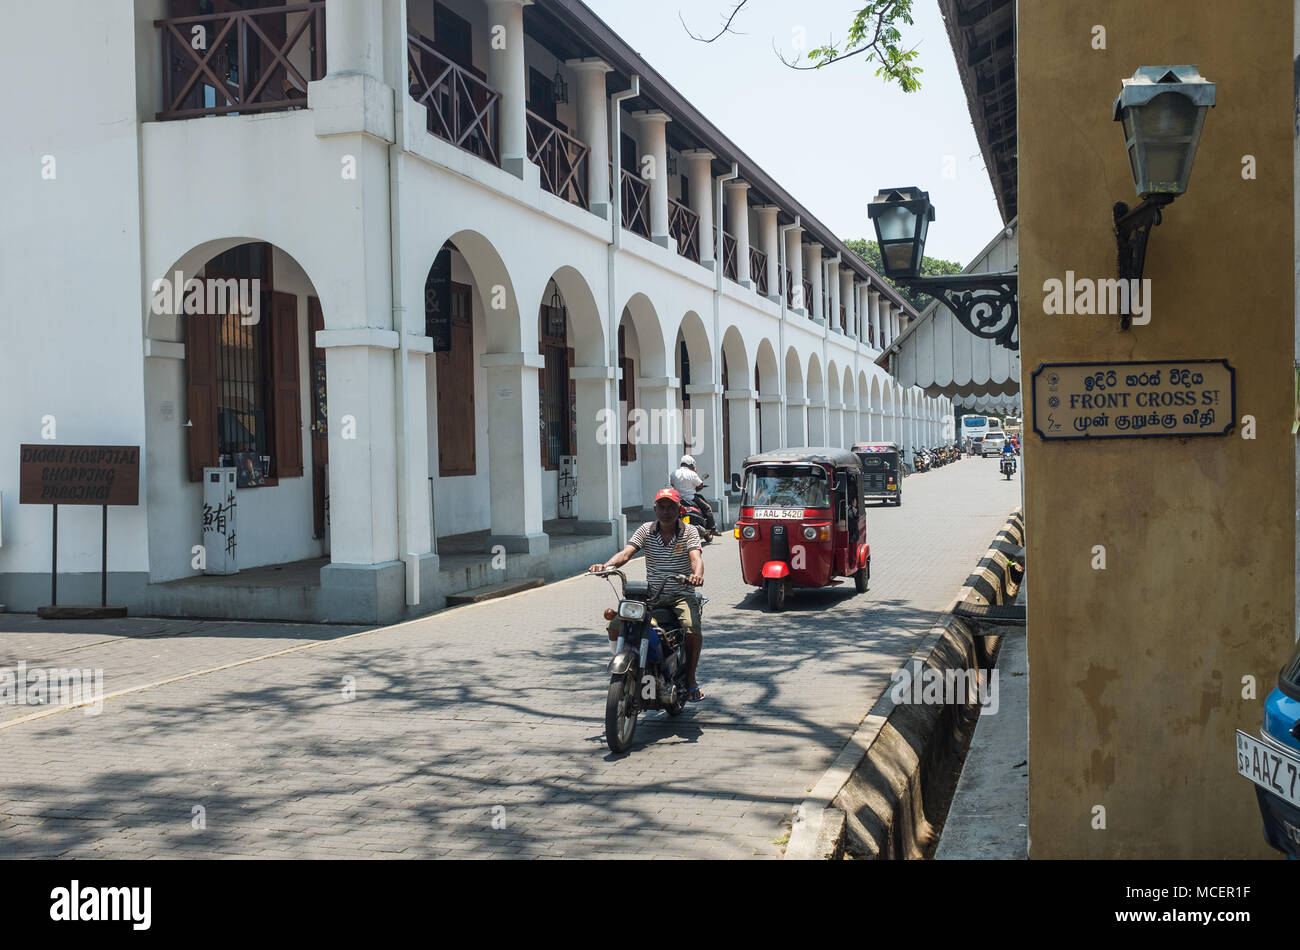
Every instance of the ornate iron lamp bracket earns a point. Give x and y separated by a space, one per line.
985 304
1132 231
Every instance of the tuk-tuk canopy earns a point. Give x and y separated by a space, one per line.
839 458
865 447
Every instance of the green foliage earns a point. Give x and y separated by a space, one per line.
875 34
930 267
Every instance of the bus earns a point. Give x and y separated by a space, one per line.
974 428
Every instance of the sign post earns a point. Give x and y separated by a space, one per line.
99 475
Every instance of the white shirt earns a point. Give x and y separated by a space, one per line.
686 481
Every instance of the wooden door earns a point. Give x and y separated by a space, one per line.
320 446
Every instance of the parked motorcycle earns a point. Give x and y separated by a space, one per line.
649 669
921 459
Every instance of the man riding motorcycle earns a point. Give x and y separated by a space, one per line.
671 547
1009 452
688 482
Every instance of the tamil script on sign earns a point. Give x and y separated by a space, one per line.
1177 398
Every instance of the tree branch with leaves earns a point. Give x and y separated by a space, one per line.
874 35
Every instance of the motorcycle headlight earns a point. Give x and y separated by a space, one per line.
749 532
631 610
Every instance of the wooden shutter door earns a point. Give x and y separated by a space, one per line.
201 341
286 392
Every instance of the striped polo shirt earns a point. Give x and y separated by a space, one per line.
671 558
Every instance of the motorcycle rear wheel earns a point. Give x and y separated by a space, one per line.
620 717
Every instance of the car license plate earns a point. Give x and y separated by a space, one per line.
1270 767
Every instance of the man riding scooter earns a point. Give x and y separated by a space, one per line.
688 483
671 548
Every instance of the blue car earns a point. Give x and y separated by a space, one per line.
1272 761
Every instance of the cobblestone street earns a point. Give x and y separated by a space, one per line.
243 740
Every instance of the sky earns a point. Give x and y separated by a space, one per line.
831 137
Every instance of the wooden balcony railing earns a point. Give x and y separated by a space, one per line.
871 334
758 270
729 266
684 226
249 61
807 298
789 289
462 108
844 318
562 159
635 196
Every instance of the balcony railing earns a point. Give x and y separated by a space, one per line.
635 196
758 270
789 289
462 108
684 226
729 266
844 318
249 61
871 334
561 157
807 298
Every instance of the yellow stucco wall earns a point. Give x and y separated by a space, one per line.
1136 670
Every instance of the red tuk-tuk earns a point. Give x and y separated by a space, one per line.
802 521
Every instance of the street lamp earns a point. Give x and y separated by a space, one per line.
985 304
902 219
1162 110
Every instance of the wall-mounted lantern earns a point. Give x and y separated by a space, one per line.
985 304
559 86
1162 110
902 219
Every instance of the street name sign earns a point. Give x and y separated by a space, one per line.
1134 400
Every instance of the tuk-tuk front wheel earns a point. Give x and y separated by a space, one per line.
775 587
862 578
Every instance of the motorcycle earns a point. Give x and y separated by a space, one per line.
921 459
1008 466
649 669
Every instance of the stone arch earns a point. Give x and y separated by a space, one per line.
816 402
796 428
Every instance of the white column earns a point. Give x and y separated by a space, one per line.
704 414
833 293
769 242
813 269
796 411
596 502
850 309
864 310
354 40
737 221
700 175
654 140
514 476
873 317
508 75
593 130
770 436
743 438
660 454
794 257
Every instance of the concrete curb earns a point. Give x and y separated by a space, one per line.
887 792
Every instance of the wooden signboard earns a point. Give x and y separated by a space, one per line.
79 475
1169 398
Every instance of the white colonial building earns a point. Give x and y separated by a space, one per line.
486 240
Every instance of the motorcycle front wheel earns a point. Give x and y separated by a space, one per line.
620 715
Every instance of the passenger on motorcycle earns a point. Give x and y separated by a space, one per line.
671 547
686 480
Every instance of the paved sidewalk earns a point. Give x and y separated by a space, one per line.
479 731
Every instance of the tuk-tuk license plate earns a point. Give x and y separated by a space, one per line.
794 513
1273 769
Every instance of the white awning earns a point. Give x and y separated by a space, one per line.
938 354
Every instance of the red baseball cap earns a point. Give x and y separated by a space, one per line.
670 494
